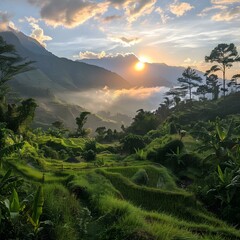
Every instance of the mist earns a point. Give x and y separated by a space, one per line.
125 101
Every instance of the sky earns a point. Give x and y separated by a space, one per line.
175 32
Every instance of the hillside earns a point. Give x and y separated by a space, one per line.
53 75
53 110
59 74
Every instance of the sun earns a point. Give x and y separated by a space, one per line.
139 66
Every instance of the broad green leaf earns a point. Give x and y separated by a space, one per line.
37 205
220 174
7 203
221 133
229 131
14 202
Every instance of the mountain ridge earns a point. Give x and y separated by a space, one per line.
154 74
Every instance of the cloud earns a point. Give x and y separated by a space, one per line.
139 93
212 8
69 13
5 22
190 36
123 100
37 32
187 60
224 1
179 9
136 9
111 18
99 55
125 41
164 17
72 13
90 55
227 15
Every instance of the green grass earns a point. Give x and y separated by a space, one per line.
159 177
32 173
122 209
177 203
122 219
69 217
156 225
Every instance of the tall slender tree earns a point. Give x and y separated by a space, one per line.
224 55
189 80
213 85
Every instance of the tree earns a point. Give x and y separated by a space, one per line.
235 82
213 85
167 102
18 116
177 93
11 64
202 90
80 121
224 55
101 131
132 142
189 80
143 122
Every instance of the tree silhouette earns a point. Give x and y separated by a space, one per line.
189 80
235 82
224 55
177 93
213 85
80 121
202 90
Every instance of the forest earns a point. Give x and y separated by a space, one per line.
174 173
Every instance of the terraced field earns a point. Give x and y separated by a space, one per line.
103 201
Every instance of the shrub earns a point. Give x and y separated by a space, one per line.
154 134
169 155
132 142
190 160
171 147
89 155
50 153
172 128
90 145
152 155
140 177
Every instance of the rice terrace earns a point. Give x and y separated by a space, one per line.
119 120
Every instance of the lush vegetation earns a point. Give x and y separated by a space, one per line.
173 174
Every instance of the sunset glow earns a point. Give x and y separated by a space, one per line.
139 66
144 59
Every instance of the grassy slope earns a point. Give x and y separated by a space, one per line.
162 213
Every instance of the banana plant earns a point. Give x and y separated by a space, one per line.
37 208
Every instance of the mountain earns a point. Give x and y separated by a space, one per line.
154 74
58 74
54 76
